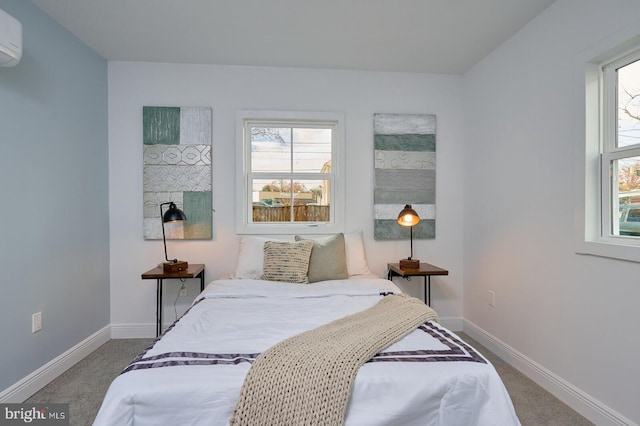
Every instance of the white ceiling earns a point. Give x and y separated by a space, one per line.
425 36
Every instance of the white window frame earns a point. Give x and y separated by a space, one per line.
244 205
610 150
595 148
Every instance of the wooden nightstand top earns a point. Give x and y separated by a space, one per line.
424 270
192 271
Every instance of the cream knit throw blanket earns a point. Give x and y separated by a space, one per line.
307 379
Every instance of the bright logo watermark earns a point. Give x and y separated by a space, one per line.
36 414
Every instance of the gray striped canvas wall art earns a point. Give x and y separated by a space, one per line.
405 173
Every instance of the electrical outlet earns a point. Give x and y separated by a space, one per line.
183 291
492 298
36 322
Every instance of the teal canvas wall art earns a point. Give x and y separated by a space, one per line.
177 167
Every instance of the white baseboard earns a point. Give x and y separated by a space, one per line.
587 406
453 324
133 331
26 387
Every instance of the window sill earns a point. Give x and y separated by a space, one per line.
288 229
615 248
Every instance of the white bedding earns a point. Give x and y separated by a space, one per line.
192 375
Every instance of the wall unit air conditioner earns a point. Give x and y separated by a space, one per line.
10 40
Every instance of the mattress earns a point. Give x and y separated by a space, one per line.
193 373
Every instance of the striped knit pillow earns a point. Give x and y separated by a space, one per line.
288 262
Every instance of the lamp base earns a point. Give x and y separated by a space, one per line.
409 264
178 266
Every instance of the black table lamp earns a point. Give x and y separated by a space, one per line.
173 214
409 217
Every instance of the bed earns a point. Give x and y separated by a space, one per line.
194 372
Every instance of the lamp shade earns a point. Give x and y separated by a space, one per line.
408 216
173 214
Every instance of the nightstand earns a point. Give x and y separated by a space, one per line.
158 274
425 270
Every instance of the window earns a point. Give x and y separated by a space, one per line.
620 158
608 160
291 172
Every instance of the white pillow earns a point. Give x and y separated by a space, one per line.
251 257
356 257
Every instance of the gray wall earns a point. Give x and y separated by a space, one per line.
54 232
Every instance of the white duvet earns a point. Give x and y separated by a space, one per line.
193 374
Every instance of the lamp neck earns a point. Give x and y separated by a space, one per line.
164 238
410 233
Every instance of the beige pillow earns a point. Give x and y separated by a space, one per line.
328 259
288 262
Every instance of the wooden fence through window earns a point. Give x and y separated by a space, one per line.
301 213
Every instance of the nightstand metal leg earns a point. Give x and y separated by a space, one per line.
427 290
159 282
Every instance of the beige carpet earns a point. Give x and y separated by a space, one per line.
84 385
534 406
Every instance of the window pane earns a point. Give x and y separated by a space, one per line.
629 104
628 175
272 200
311 150
311 201
271 149
291 149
